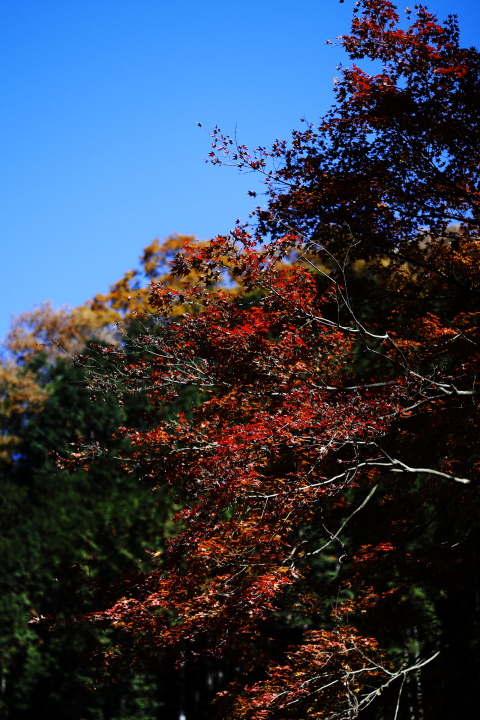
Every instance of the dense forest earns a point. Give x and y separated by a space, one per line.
242 484
66 537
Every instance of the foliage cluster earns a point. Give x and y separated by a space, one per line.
66 537
328 530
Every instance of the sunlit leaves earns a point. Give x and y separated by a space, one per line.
331 456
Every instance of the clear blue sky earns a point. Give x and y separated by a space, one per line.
100 151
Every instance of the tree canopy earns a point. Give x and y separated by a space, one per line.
327 545
66 537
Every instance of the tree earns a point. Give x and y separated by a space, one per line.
62 536
328 542
47 334
66 537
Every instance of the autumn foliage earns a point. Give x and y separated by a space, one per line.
328 521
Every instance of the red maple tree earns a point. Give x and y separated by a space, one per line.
327 481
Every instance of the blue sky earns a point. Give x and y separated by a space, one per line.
100 150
